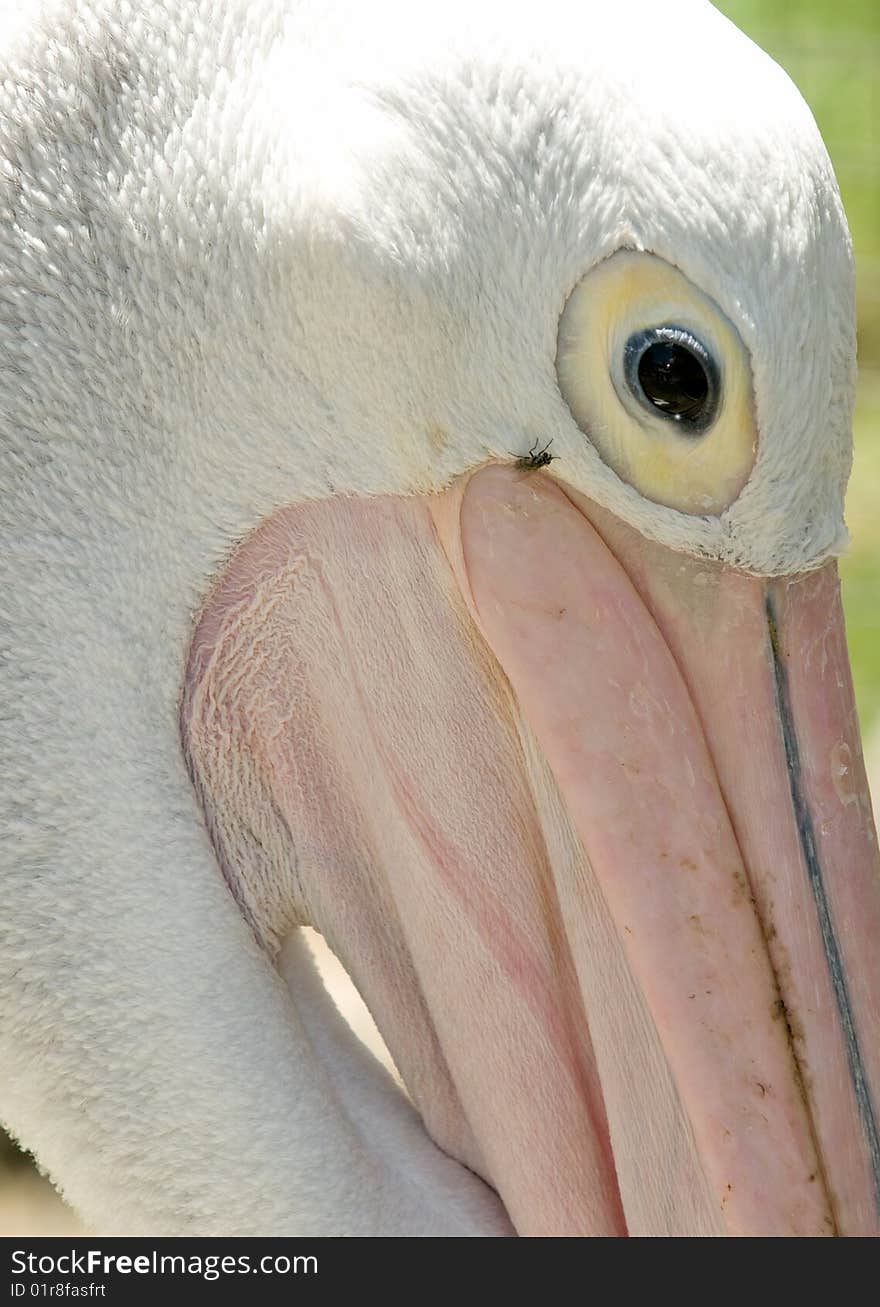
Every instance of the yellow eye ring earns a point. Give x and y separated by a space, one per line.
658 378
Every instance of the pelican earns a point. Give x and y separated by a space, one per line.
424 439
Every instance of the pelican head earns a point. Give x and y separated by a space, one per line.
424 443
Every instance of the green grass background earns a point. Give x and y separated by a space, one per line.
831 48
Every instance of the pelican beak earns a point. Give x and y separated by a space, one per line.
701 728
586 820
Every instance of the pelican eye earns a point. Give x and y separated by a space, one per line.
668 369
658 379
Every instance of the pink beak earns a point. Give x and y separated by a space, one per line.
702 728
609 886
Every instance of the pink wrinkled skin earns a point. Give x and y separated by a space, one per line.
525 771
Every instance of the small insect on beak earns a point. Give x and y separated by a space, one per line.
535 457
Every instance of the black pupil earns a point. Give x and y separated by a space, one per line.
674 380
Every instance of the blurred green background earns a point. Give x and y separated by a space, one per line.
831 48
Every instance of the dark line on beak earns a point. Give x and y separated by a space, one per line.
807 839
